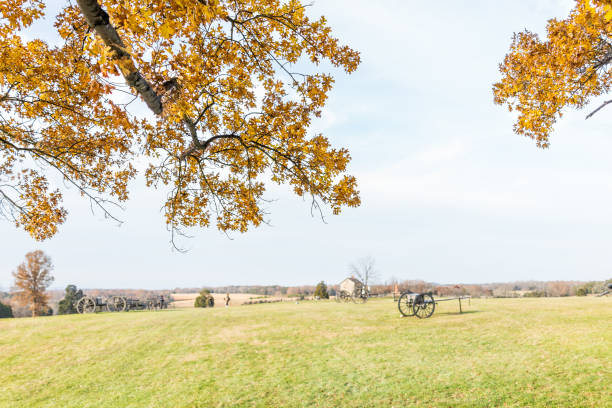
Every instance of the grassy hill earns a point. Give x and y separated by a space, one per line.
504 352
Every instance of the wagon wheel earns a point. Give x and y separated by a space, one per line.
346 297
424 305
86 305
404 304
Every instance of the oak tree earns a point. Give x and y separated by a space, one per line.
232 87
542 78
32 278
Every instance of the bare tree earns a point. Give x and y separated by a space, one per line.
365 270
32 278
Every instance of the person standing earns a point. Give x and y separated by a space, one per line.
227 299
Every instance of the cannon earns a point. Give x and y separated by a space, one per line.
343 296
90 304
361 295
151 303
423 305
135 304
157 303
117 303
606 291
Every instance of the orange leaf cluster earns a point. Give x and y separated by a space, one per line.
542 78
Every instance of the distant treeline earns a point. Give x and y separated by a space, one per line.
271 290
511 289
502 290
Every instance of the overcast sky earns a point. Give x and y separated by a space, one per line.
449 193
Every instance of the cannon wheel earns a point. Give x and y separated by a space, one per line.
345 296
404 304
116 304
120 304
79 305
86 305
131 304
424 305
110 304
361 297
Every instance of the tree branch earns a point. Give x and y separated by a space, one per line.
603 105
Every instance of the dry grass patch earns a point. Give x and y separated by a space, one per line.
186 300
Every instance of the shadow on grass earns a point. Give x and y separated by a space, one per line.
445 314
458 313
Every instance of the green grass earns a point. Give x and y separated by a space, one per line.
523 353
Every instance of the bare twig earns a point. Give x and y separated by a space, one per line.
603 105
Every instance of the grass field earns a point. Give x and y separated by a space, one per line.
554 352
